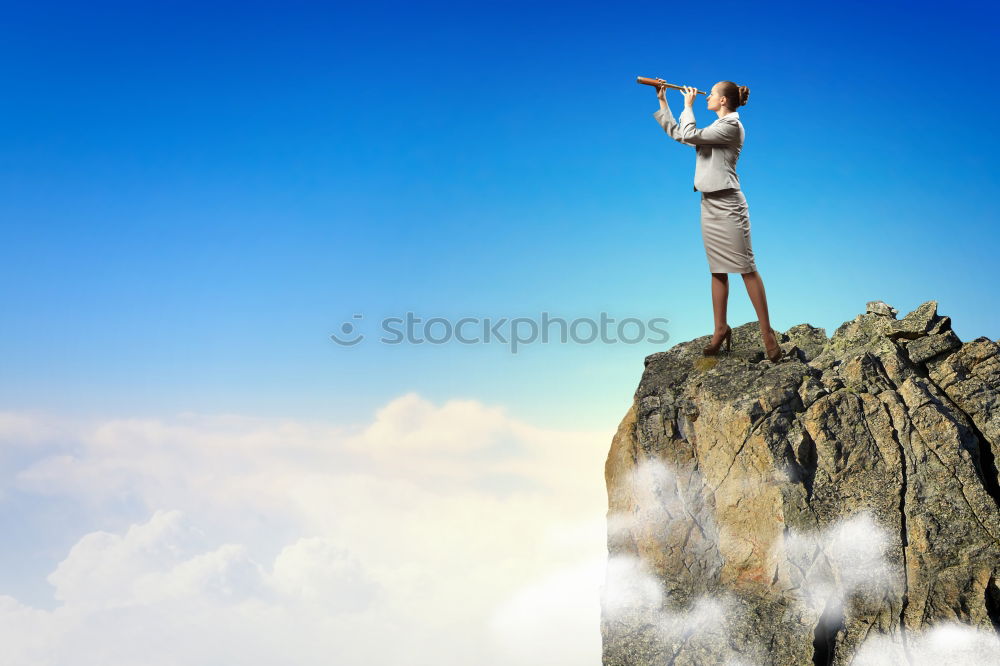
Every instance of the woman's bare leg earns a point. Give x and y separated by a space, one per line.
755 289
720 298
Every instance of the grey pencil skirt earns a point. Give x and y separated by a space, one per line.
725 229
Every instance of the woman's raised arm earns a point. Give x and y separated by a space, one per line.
666 118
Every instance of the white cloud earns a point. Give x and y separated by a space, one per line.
944 644
630 587
552 621
664 497
406 540
411 426
22 429
318 570
847 558
633 601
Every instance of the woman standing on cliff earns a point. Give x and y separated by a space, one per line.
725 216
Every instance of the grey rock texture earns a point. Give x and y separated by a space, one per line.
800 512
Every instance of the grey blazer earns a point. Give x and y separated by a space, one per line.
717 147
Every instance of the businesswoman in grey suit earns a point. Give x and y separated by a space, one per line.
725 216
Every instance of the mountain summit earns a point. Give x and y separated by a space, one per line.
836 507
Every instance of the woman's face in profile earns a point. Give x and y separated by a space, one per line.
714 99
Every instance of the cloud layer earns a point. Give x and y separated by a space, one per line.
444 534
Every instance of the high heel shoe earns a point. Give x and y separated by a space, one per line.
727 337
774 353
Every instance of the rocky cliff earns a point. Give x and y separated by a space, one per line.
836 507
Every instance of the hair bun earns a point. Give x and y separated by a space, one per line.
744 95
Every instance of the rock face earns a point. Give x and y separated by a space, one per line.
831 508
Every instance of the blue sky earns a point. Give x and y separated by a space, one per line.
195 197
